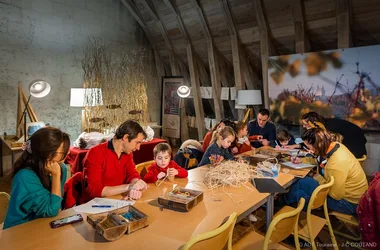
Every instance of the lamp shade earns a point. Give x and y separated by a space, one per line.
82 97
183 91
249 97
39 88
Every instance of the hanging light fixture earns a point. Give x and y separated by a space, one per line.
183 91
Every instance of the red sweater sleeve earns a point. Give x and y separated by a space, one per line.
93 170
130 167
244 148
151 175
182 173
206 141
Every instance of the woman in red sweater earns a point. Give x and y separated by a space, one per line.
163 165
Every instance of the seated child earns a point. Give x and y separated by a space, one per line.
218 150
242 142
163 165
284 140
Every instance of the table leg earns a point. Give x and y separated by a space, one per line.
13 159
1 158
270 209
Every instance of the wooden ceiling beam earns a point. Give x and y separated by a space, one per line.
194 74
172 55
213 64
159 63
343 16
301 39
265 46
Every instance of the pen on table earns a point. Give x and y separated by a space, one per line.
102 206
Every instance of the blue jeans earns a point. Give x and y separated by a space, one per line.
304 188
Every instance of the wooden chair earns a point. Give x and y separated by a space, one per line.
310 227
215 239
142 167
362 159
4 201
348 219
284 223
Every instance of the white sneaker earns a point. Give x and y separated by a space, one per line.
252 218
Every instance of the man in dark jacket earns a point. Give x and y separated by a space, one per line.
262 126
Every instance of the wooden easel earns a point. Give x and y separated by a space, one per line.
21 102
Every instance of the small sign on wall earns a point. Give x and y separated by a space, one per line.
225 93
233 93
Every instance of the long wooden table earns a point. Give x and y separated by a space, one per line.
167 230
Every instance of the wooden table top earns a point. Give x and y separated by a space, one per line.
167 229
8 140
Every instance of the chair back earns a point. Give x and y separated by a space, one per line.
141 168
215 239
318 197
4 201
73 190
283 224
362 159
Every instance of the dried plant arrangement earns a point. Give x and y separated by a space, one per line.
229 173
121 78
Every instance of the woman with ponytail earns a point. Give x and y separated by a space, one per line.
38 177
350 181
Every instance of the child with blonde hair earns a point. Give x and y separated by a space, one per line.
218 150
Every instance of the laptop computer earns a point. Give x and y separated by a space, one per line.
267 185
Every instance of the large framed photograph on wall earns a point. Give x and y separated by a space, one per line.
340 83
170 118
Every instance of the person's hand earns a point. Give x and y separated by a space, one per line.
53 168
161 175
291 146
278 147
139 185
248 142
234 150
134 194
172 172
295 160
265 142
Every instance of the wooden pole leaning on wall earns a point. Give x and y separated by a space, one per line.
21 102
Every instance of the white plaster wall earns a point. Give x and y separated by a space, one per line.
44 39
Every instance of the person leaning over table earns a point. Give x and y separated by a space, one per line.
210 135
219 149
262 126
109 168
38 177
350 181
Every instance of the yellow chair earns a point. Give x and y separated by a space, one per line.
362 159
4 201
346 219
215 239
310 227
284 223
141 168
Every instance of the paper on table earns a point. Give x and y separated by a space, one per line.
87 207
297 166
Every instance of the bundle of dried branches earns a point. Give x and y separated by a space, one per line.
121 78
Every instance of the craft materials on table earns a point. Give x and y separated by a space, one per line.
181 199
297 165
229 173
99 205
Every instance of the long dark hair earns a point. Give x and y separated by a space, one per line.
319 138
44 144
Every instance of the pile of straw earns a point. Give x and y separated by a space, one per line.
229 173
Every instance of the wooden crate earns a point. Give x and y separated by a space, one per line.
112 225
179 202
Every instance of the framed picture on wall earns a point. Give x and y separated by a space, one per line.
170 115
